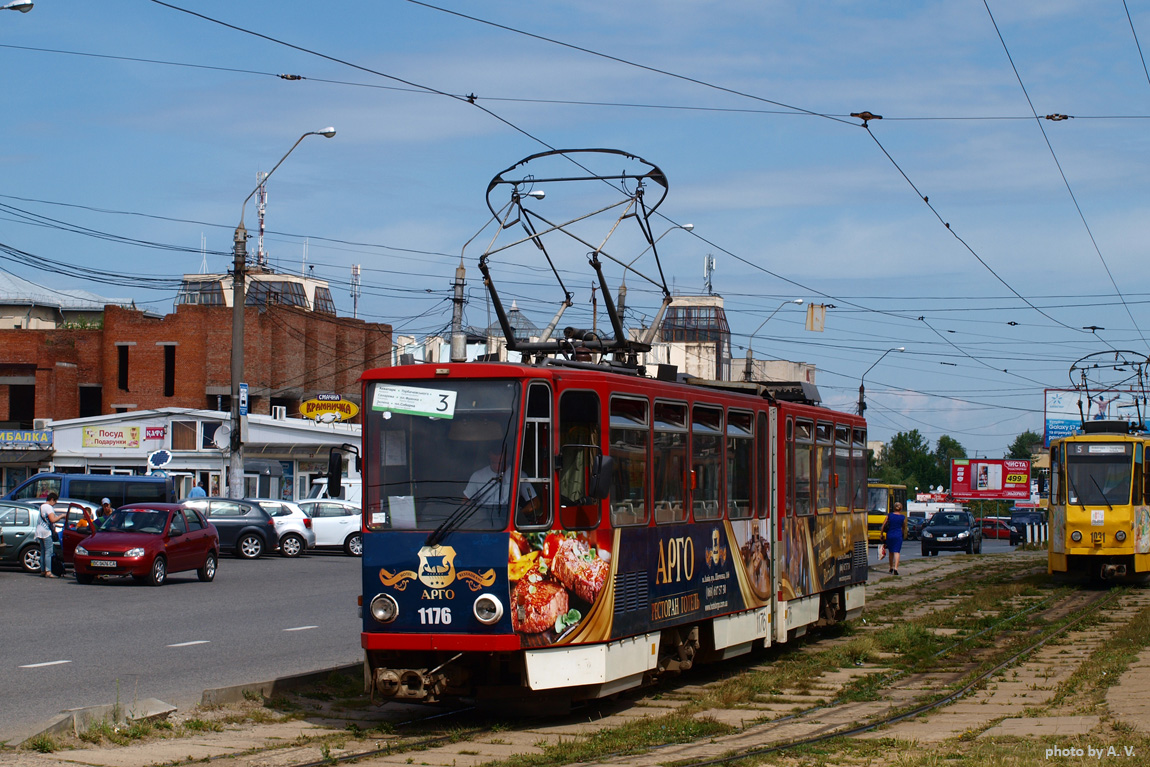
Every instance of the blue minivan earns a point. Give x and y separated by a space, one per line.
120 489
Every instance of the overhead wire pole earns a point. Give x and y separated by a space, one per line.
239 275
862 398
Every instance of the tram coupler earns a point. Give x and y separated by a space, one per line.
410 684
1113 571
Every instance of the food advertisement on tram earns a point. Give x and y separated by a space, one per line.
556 579
818 553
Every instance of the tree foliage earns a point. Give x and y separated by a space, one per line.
1024 445
909 460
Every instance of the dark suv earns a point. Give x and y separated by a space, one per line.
244 528
951 531
1018 522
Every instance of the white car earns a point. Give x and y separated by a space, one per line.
337 524
293 526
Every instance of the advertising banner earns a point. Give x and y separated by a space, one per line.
990 479
22 440
111 436
1063 416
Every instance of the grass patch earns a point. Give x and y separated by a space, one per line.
120 734
203 725
43 744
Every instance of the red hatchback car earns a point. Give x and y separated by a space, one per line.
995 528
148 541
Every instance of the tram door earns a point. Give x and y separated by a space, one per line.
767 479
579 446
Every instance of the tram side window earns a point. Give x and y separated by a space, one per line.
1145 482
824 465
842 477
670 462
859 460
1057 496
804 457
789 468
536 465
706 461
740 458
630 447
763 468
578 447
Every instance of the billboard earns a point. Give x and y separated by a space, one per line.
989 479
1063 416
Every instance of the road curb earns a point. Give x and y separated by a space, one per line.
73 721
236 693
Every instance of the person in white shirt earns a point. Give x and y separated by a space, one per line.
490 486
46 534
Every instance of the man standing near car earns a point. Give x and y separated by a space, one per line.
46 534
104 512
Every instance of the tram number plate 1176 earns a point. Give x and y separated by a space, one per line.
435 616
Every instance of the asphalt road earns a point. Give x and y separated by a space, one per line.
913 549
63 645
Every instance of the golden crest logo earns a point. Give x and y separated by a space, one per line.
437 566
717 554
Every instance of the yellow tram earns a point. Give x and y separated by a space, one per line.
1099 495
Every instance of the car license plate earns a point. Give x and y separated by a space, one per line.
103 563
944 538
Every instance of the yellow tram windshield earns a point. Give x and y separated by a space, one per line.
1099 473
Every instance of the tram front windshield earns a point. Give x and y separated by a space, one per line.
1098 473
876 498
440 453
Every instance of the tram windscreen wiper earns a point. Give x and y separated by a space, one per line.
1074 488
462 514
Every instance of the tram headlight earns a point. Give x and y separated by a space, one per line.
1120 536
488 609
1076 536
384 608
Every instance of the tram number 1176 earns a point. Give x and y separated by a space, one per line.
435 616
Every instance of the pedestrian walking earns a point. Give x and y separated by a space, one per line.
46 533
894 533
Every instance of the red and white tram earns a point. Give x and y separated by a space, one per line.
563 529
572 527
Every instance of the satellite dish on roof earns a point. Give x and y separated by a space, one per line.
222 439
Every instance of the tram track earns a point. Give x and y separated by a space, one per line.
433 738
1087 611
1077 606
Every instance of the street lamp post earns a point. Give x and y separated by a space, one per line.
622 302
751 338
862 399
236 462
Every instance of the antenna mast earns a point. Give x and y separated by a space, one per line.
708 270
355 291
262 203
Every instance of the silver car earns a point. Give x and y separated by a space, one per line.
337 524
293 526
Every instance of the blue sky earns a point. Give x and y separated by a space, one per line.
1044 238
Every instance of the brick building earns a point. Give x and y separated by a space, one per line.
137 361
